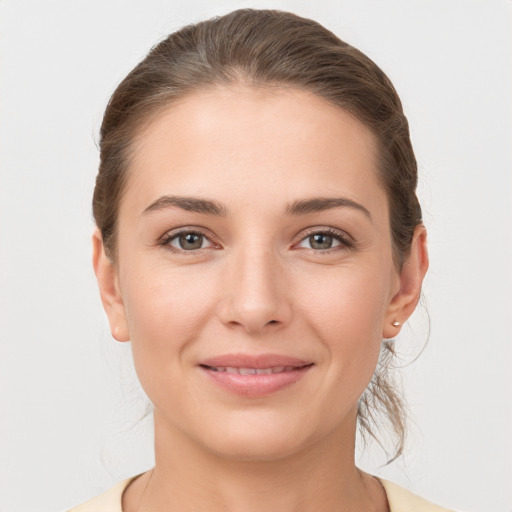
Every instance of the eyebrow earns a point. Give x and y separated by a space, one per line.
299 207
319 204
191 204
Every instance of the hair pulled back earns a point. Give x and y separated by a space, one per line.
265 48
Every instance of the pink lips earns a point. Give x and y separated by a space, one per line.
254 375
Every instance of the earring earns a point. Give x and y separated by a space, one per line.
396 324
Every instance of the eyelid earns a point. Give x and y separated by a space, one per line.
346 241
174 233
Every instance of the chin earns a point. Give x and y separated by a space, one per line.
254 448
258 438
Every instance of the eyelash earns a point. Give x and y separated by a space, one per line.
345 242
168 238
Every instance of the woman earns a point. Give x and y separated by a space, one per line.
259 236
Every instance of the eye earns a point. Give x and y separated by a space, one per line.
324 240
187 241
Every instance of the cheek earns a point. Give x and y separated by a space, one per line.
350 299
345 308
166 309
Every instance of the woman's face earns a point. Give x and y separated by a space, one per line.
254 237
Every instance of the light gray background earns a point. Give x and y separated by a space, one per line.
67 389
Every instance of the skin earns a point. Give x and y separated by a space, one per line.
256 285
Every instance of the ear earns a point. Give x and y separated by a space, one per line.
404 302
108 283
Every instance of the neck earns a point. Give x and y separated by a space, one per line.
189 478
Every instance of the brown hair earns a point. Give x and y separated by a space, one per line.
267 48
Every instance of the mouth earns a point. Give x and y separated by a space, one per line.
254 371
254 376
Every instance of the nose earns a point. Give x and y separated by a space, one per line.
254 297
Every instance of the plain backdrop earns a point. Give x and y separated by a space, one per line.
68 394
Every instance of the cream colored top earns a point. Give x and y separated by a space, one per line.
399 499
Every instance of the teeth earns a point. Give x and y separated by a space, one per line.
253 371
263 371
247 371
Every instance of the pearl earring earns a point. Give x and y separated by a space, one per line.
396 324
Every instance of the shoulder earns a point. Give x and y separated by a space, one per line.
109 501
402 500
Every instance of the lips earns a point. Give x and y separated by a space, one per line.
260 361
252 371
254 375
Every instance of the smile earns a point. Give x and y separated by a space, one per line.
253 371
252 376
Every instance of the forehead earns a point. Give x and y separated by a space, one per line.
239 142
